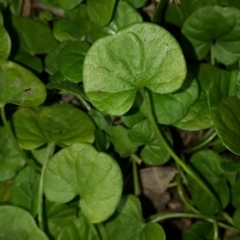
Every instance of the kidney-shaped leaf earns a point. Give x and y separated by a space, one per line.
61 124
81 170
226 121
128 223
214 24
19 86
140 55
18 224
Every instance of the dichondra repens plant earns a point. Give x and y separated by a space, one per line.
106 103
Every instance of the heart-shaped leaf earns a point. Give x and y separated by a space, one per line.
129 214
18 224
19 86
224 33
10 161
61 124
154 153
226 121
81 170
140 55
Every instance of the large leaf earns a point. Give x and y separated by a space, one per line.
207 164
62 124
81 170
140 55
19 86
128 224
18 224
100 11
32 41
25 190
226 121
154 153
213 25
125 15
5 41
71 59
10 160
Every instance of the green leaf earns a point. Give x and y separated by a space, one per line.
32 63
236 219
25 190
80 169
129 61
129 214
59 217
132 117
102 140
5 191
19 86
68 4
207 164
199 116
71 59
31 41
100 11
236 194
10 160
171 108
199 231
137 3
223 32
50 3
230 166
118 135
18 224
154 153
98 118
62 124
226 121
5 41
124 16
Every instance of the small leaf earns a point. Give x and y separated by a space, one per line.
118 135
236 219
19 86
154 153
25 190
129 214
223 33
71 59
10 160
62 124
100 11
80 169
226 121
18 224
129 61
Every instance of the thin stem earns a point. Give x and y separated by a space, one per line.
215 230
85 103
188 170
202 144
49 152
227 218
164 216
135 158
137 191
20 151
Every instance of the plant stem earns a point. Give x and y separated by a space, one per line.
85 103
137 191
188 170
215 230
49 152
20 151
202 144
135 158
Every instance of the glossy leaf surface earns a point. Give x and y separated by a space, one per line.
18 224
61 124
138 56
10 161
81 170
129 214
19 86
226 120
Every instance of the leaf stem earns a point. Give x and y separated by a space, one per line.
49 152
137 191
135 158
215 230
188 170
85 103
20 151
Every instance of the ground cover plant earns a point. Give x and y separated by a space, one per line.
120 120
